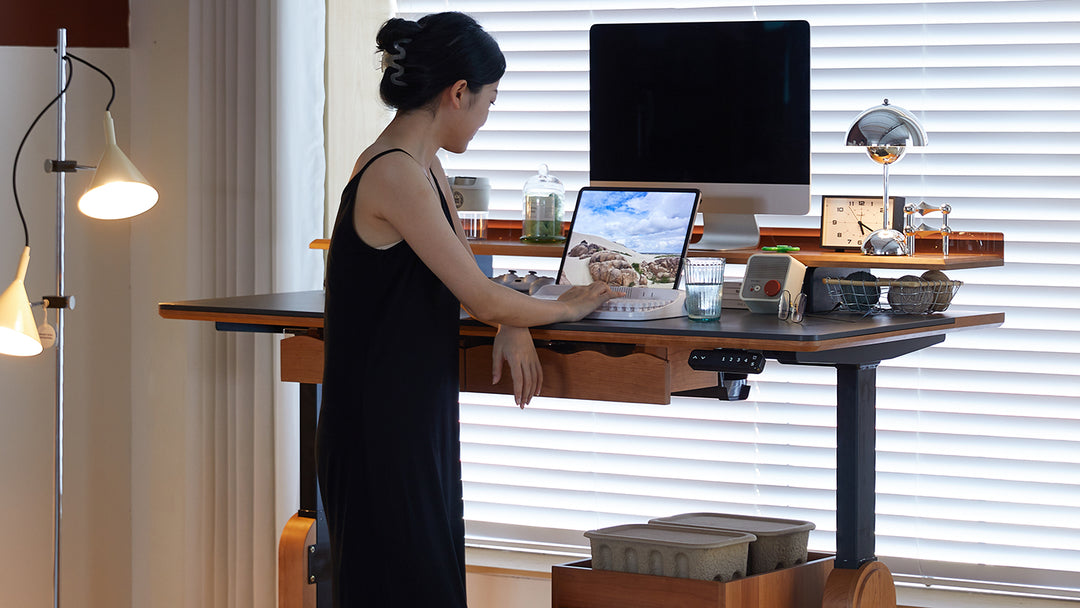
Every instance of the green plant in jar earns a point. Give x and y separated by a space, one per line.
542 212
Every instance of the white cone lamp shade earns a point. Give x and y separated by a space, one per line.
118 190
18 330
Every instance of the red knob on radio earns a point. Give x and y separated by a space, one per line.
772 287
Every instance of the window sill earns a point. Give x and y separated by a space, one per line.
534 564
515 562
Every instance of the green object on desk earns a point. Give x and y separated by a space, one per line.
780 248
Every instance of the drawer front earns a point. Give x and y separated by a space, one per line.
579 372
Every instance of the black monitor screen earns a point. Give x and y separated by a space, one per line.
711 102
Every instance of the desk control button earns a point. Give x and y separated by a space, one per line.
772 288
727 360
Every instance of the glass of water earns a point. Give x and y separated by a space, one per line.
704 282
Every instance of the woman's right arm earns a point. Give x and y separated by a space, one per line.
396 191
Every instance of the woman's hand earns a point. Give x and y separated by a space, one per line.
514 345
583 299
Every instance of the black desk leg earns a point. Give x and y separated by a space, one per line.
856 431
310 498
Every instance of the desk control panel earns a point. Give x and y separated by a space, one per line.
727 360
731 365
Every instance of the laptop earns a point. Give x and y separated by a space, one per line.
633 239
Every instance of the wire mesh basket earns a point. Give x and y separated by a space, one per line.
913 296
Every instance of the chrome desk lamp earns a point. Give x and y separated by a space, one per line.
886 131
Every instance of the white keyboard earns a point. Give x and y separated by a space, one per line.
636 304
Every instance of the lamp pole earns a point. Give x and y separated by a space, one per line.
58 438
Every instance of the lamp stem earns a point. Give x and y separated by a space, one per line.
885 197
58 439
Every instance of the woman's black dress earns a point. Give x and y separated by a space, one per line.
388 446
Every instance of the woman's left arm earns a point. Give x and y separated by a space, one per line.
513 345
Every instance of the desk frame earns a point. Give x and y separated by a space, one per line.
854 351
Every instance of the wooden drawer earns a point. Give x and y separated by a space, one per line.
302 359
577 585
586 370
579 370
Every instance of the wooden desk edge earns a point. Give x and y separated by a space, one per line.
968 321
969 249
240 318
984 320
965 321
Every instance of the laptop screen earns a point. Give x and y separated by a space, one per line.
628 237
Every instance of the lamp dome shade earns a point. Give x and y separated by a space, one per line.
886 125
118 189
18 330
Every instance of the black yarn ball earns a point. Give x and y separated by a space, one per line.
861 296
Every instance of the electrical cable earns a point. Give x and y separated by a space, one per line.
15 168
99 71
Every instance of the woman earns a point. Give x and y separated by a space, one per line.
398 270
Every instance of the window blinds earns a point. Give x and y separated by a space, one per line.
979 437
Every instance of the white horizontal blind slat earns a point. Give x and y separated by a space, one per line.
979 437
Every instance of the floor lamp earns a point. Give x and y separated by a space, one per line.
116 191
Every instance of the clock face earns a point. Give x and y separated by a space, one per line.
847 220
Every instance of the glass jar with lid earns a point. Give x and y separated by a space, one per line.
542 213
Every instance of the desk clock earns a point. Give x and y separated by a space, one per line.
847 220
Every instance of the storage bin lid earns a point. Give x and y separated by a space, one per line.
676 536
758 526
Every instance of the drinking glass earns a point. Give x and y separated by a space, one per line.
704 282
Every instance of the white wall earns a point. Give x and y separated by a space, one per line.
96 538
490 590
159 273
124 514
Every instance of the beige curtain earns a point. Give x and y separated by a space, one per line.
255 174
228 109
231 516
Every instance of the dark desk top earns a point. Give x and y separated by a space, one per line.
304 310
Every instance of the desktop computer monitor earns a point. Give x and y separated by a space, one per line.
723 107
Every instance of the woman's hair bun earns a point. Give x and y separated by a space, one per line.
421 58
393 31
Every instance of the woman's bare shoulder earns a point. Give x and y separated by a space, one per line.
394 159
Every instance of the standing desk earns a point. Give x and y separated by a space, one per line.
656 350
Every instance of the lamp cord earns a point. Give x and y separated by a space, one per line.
99 71
15 168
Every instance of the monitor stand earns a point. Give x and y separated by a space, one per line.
728 231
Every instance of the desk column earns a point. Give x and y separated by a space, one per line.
856 430
304 552
858 580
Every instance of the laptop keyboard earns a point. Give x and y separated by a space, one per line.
636 303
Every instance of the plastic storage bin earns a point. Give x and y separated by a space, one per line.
780 543
675 551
